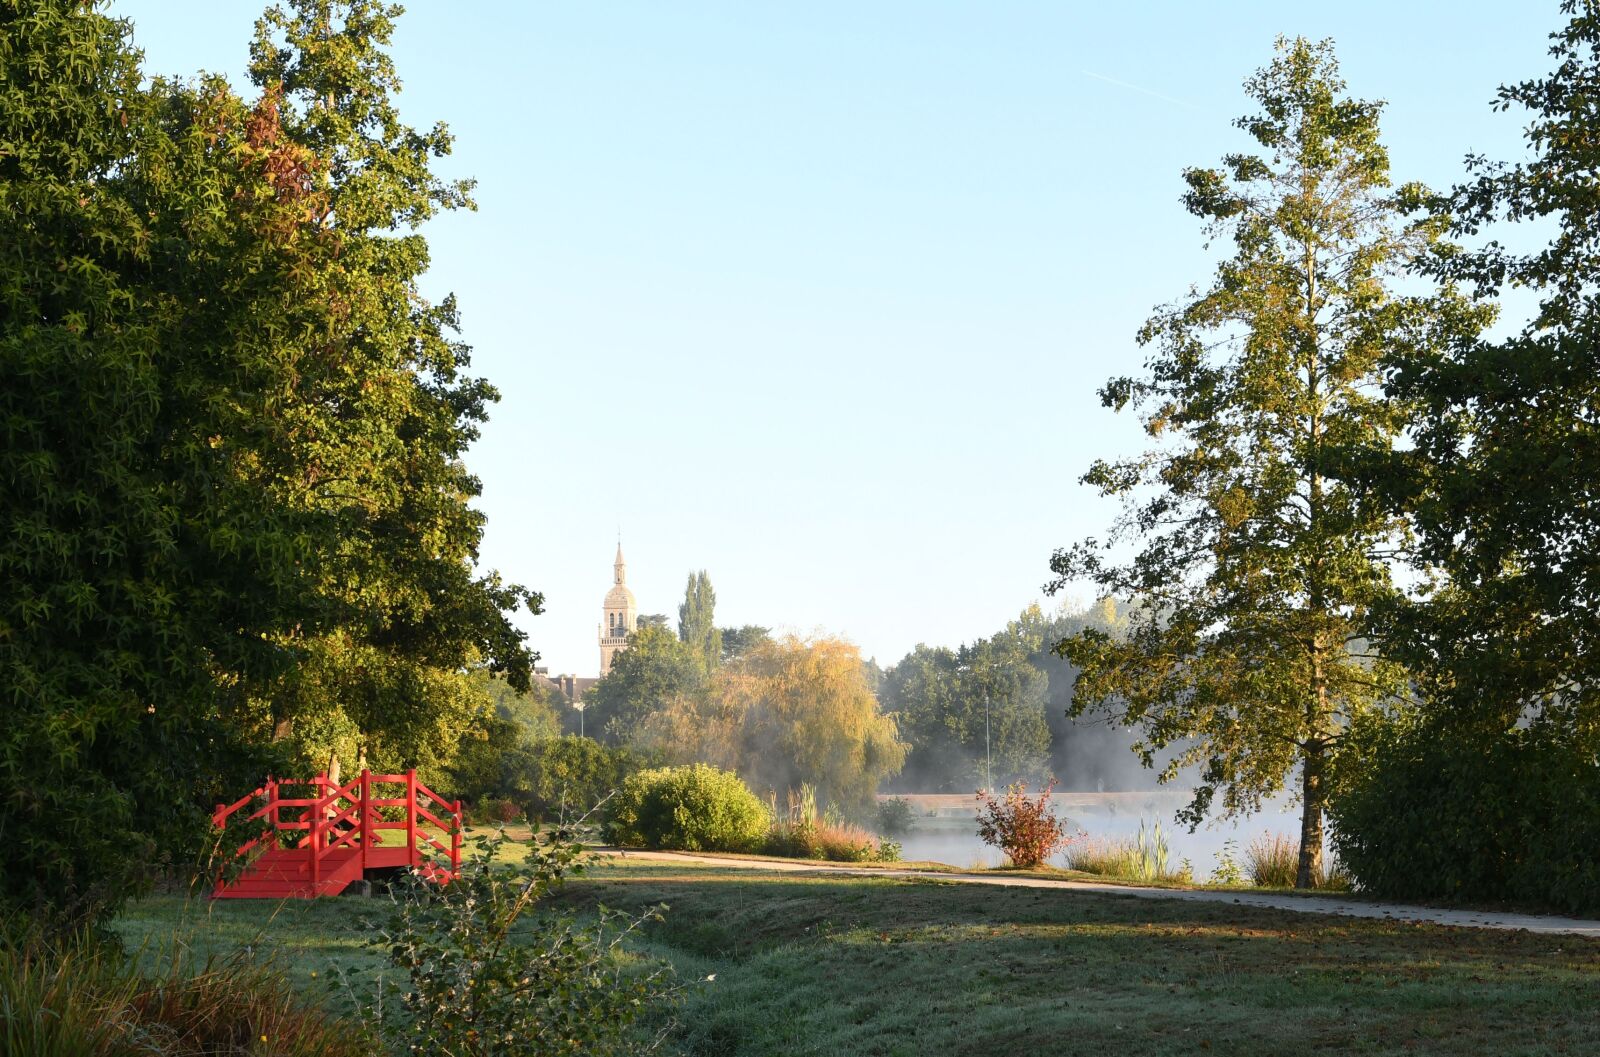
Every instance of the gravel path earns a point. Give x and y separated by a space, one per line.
1298 904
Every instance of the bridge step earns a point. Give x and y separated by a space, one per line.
286 874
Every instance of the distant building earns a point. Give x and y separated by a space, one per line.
621 618
621 615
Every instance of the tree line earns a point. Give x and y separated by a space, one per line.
1361 544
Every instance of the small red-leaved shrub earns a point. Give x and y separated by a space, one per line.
1026 830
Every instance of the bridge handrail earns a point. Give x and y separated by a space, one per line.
327 825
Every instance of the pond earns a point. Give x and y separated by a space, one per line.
946 829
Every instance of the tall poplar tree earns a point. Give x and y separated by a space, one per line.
1253 569
697 619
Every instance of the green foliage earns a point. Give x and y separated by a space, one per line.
736 642
947 702
266 538
693 808
491 970
1228 871
571 774
790 712
141 567
896 817
1434 811
697 620
1255 568
76 998
1501 481
656 669
385 415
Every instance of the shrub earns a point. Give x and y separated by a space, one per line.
1436 811
84 999
693 808
1026 830
1273 861
895 816
560 987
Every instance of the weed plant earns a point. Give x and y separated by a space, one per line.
86 998
488 969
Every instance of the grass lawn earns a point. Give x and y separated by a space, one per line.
863 965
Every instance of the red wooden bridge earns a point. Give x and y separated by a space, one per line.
320 844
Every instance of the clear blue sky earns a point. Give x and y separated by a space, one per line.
817 296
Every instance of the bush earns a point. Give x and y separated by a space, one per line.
895 816
84 999
1433 811
561 987
694 808
1026 830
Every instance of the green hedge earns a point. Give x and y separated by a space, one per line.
696 808
1431 812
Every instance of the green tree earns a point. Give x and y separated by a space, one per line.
385 414
736 642
143 570
973 716
697 619
1256 570
1502 479
1502 634
655 669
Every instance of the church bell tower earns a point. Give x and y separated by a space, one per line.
621 614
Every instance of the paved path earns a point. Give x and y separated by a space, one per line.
1298 904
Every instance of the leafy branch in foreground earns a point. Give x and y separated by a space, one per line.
491 969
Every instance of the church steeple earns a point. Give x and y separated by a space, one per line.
621 613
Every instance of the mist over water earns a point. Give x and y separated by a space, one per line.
952 838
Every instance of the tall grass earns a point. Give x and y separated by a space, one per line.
1146 857
802 832
1273 861
86 999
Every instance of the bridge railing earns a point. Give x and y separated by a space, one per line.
350 817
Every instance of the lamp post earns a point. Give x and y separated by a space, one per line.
989 777
579 706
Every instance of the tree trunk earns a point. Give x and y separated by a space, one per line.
1312 794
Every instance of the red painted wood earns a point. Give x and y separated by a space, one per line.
341 837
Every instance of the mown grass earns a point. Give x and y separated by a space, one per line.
824 965
818 964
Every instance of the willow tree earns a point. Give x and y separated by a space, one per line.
1254 568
